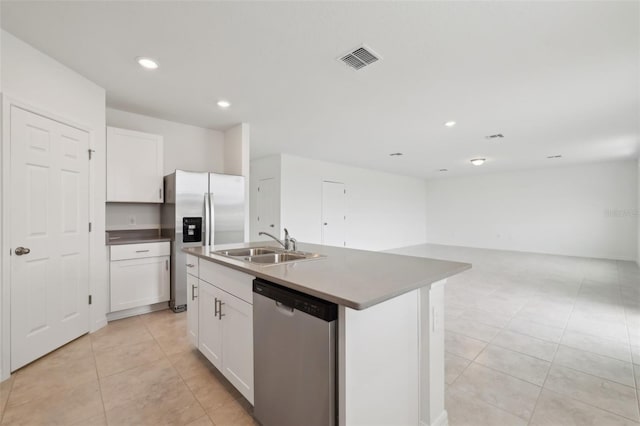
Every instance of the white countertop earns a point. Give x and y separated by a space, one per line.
357 279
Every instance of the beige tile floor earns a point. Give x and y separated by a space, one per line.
531 339
135 371
540 340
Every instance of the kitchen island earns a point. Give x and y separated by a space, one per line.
390 328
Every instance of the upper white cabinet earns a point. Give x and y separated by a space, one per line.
134 166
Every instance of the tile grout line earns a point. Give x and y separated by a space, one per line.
6 403
633 368
178 373
546 377
95 361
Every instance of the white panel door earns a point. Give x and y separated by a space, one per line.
266 206
237 344
49 219
209 323
333 214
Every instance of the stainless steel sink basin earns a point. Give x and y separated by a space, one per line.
276 258
268 255
243 252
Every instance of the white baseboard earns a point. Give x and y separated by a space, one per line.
112 316
442 420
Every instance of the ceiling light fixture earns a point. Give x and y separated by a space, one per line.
554 156
224 104
147 63
395 154
478 161
450 123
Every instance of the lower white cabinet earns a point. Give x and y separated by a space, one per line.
193 288
210 325
224 317
139 275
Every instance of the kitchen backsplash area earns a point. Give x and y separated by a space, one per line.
121 216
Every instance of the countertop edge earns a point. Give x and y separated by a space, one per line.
239 266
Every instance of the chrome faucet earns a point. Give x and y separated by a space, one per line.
288 243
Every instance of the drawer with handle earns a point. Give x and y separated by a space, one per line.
192 265
137 251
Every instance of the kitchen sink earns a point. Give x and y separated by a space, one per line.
276 258
243 252
268 255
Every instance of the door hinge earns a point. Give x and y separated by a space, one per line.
91 151
89 226
90 300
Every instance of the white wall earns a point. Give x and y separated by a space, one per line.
583 210
383 210
638 218
185 147
43 84
237 162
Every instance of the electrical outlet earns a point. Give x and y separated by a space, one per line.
132 220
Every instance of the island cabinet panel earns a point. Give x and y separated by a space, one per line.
209 324
234 282
237 344
192 309
222 324
381 385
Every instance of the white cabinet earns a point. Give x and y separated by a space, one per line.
134 166
237 344
210 325
193 288
192 299
225 322
139 275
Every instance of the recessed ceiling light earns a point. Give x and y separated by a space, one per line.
478 161
147 63
450 123
554 156
395 154
224 104
443 170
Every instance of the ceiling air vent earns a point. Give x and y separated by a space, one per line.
359 57
496 136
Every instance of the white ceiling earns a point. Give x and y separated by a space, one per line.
553 77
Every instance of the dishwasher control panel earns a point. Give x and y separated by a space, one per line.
296 300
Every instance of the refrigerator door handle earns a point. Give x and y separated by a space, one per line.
212 218
207 217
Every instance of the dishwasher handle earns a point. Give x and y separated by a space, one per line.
284 309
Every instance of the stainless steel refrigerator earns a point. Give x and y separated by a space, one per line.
200 208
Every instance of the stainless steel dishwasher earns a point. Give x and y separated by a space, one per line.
294 337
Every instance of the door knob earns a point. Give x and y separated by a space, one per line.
22 250
272 225
325 224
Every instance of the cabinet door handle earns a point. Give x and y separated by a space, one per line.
215 307
160 194
190 265
220 314
141 251
166 265
193 292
